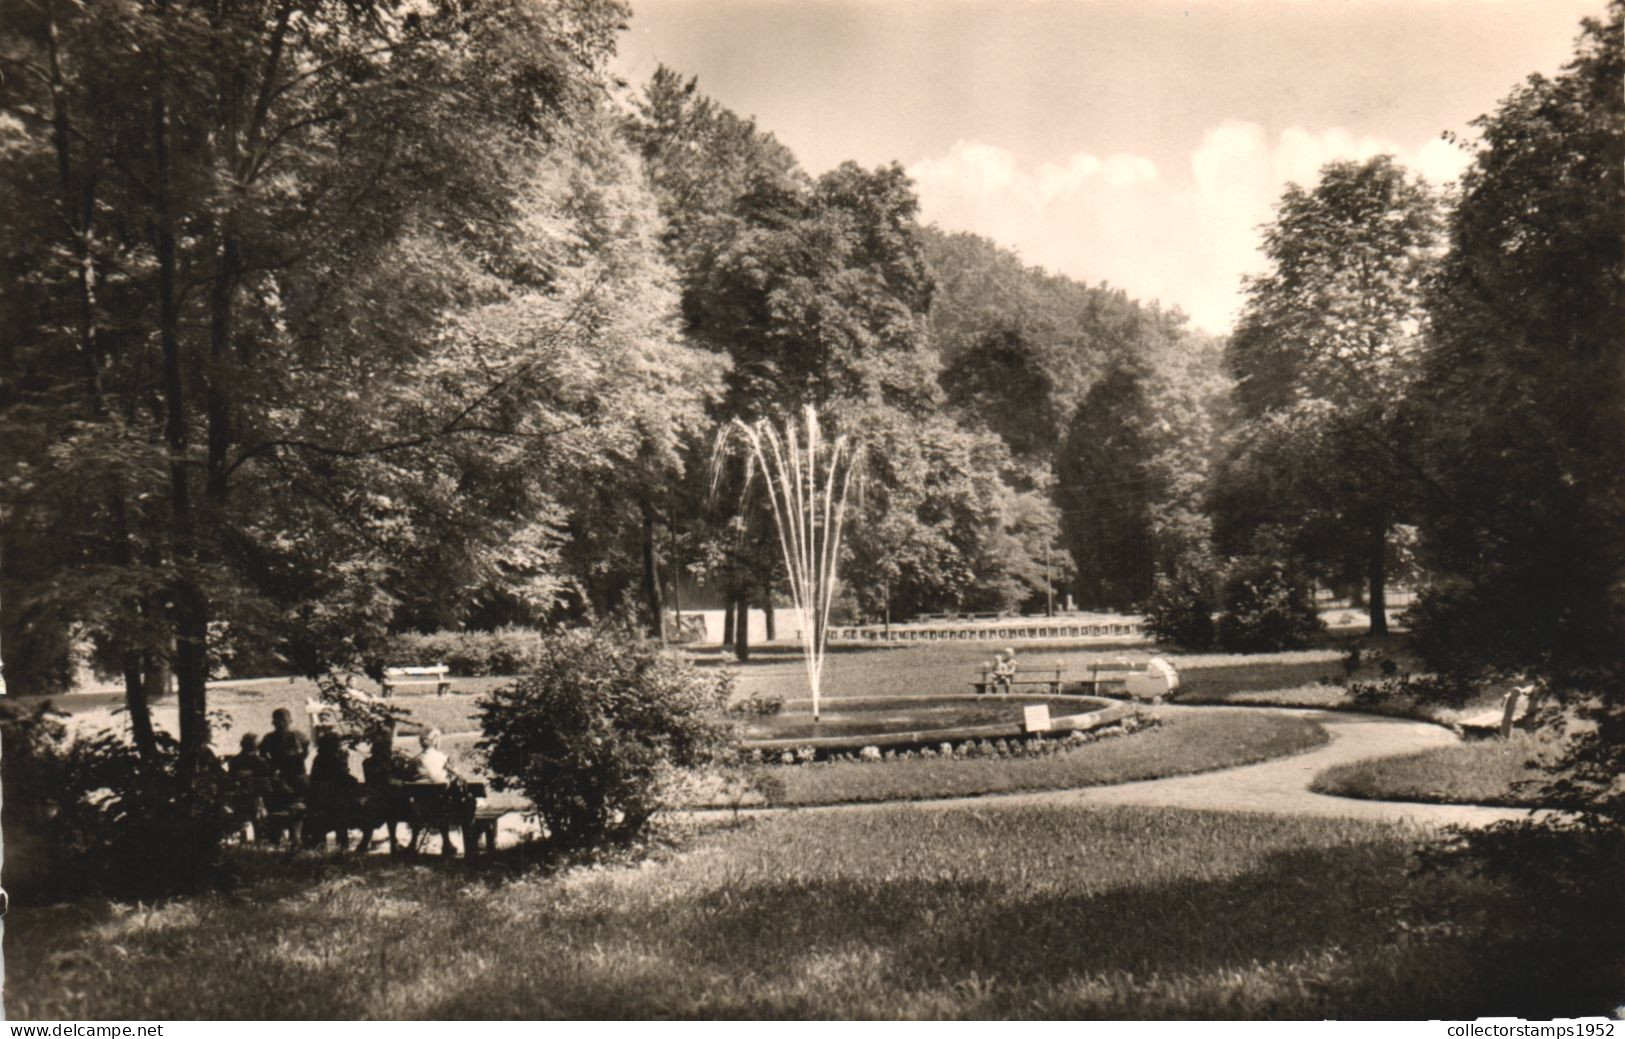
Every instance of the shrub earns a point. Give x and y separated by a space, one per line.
1266 608
470 654
1400 691
595 732
87 815
1180 610
33 776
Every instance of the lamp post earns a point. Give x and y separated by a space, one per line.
1049 585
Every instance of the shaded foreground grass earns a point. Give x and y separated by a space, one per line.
1488 772
1028 911
1181 744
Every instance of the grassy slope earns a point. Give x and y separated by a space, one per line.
1480 772
899 912
1181 745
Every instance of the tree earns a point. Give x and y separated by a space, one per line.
1323 354
938 525
1521 404
318 321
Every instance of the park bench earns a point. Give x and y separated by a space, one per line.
438 676
1051 678
443 807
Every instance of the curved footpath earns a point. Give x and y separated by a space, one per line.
1279 786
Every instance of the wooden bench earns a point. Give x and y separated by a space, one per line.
438 676
1022 676
443 807
486 818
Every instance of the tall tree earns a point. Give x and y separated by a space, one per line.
1521 404
1133 473
1322 356
311 334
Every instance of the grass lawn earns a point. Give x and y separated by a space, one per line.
247 708
1180 745
896 912
1480 772
951 667
909 671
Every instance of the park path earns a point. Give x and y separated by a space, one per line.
1279 786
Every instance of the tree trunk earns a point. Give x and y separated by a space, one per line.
651 576
137 703
772 625
1377 574
742 628
189 611
728 623
679 632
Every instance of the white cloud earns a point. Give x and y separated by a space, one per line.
1117 219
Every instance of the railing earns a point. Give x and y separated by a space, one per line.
1058 629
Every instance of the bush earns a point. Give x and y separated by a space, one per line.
1407 690
32 774
469 654
1266 608
596 732
88 816
1180 611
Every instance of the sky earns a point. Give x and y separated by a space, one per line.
1139 143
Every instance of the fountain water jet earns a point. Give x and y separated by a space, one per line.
807 480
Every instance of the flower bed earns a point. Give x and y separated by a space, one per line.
912 723
1032 745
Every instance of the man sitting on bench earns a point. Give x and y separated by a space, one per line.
1004 671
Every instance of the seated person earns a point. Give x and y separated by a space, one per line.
432 764
285 749
334 793
432 767
1004 671
251 776
380 801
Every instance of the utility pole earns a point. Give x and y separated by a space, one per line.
1049 585
886 590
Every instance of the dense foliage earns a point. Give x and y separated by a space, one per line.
88 815
596 731
1323 355
1521 411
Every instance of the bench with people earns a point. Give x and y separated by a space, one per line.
1002 676
280 799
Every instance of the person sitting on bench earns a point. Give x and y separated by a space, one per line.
251 775
334 794
285 748
1004 671
380 800
433 767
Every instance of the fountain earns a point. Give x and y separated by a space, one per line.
806 480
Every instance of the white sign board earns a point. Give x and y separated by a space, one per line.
1036 719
